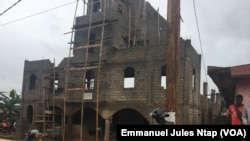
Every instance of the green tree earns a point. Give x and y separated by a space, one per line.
10 105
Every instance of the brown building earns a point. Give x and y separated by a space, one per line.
231 81
115 74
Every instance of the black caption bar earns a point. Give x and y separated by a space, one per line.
204 132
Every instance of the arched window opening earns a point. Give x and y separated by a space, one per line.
193 79
32 82
96 6
30 113
122 6
54 82
91 42
129 77
89 80
163 77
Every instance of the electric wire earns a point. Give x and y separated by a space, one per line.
9 7
37 13
200 39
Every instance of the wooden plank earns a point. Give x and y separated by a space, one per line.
41 101
87 46
88 68
77 89
43 121
49 112
49 130
85 28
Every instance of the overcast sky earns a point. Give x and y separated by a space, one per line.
31 30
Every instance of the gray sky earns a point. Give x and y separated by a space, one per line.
27 32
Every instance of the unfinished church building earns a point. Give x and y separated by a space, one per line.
115 74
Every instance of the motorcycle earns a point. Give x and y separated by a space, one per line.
34 135
162 117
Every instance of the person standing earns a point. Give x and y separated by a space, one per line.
246 114
5 126
235 110
14 126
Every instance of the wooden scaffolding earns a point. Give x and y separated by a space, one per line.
84 66
44 116
47 117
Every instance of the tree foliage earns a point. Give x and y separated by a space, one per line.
10 106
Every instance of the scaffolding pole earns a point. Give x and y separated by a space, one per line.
66 78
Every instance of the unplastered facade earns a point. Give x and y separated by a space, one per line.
130 82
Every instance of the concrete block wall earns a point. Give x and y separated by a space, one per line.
147 77
147 62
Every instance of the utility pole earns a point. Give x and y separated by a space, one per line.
173 58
